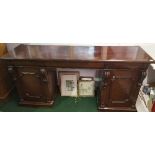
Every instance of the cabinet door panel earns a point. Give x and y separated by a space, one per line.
32 84
122 84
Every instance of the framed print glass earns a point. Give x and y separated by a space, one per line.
86 88
69 85
60 73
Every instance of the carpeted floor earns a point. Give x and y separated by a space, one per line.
62 104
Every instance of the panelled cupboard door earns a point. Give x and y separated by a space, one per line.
121 88
32 84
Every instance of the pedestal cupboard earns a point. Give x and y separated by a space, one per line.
119 89
35 85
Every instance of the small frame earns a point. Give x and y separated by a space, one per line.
68 84
60 73
86 88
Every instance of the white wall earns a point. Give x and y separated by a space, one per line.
150 49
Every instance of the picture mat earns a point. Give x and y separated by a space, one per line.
69 85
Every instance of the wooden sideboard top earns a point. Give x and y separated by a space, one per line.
88 53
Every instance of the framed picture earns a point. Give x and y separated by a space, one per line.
68 84
60 73
86 88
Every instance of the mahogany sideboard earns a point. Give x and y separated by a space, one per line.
122 70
